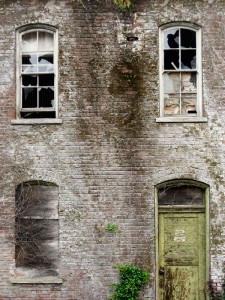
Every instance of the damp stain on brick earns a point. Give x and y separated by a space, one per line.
126 90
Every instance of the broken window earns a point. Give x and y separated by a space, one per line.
38 74
180 72
36 229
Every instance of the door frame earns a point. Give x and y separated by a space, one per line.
190 209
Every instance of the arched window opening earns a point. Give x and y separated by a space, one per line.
36 229
37 72
180 72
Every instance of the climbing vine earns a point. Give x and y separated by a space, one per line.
132 279
123 4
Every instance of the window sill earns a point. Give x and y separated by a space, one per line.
35 121
181 120
36 280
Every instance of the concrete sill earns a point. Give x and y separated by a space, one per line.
36 280
181 120
35 121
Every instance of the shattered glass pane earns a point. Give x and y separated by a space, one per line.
171 104
188 38
46 80
46 97
29 97
171 38
45 59
171 83
188 82
171 59
29 59
188 103
29 80
46 63
45 41
29 63
188 59
29 42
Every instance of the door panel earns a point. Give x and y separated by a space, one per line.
182 256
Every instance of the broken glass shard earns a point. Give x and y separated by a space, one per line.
188 59
171 38
45 59
29 63
29 80
45 63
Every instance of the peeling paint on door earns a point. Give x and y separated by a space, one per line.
182 256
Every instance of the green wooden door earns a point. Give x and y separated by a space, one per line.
182 266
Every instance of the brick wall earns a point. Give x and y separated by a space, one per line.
109 153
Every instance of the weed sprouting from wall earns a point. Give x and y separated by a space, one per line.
132 280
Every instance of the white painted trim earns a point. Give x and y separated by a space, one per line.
20 31
35 121
199 116
180 119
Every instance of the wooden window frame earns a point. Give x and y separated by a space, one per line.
19 119
198 117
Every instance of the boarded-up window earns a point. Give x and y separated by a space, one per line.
37 227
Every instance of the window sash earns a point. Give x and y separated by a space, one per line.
196 70
40 102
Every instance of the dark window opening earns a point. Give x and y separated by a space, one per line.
38 115
36 229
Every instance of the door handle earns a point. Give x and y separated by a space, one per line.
161 271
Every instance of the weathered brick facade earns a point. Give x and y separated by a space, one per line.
109 153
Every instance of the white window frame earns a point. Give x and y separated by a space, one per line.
19 120
181 117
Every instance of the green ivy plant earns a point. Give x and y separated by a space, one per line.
123 4
113 228
132 279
